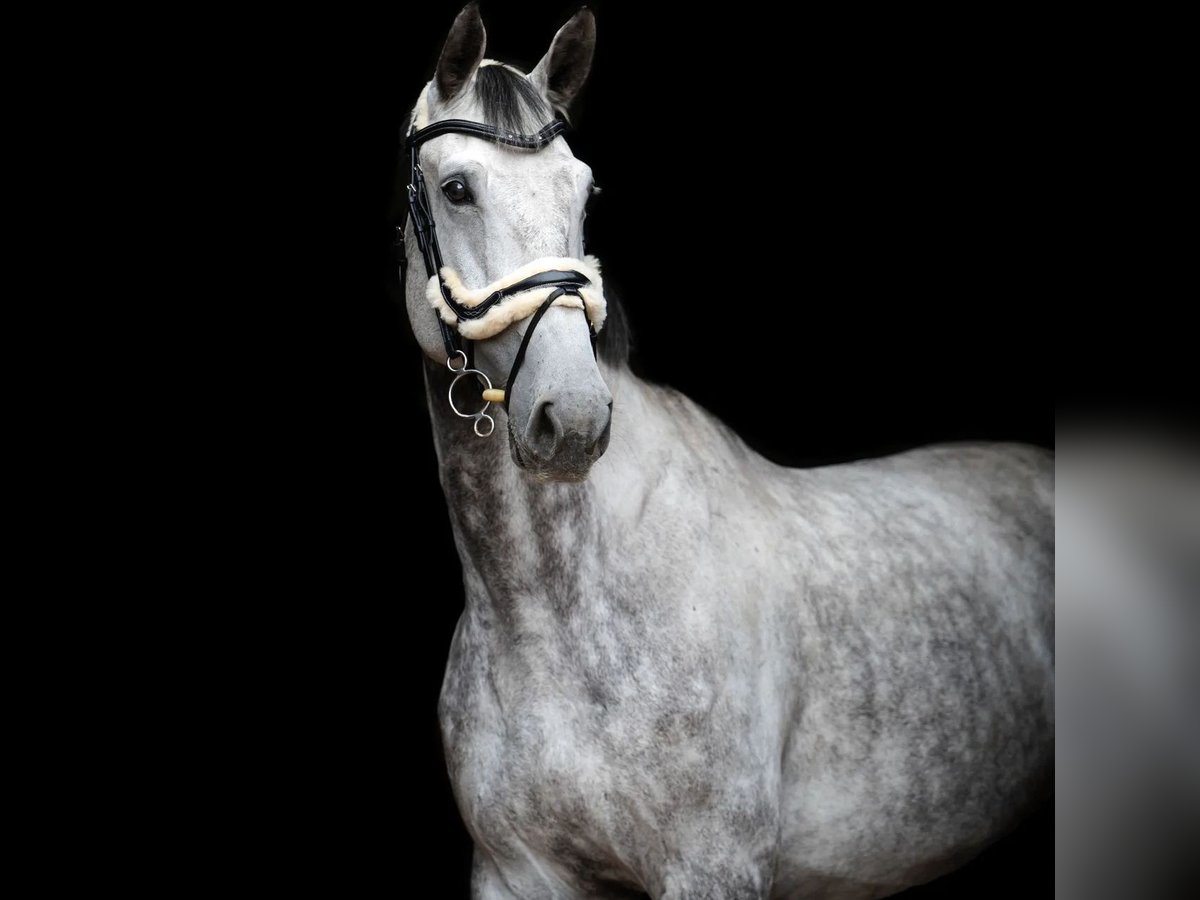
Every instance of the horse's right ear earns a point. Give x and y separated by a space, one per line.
461 54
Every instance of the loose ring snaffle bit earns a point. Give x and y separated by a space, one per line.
460 372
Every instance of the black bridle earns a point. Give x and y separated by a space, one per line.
564 282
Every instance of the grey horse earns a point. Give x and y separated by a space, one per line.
682 670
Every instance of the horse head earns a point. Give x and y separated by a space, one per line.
496 268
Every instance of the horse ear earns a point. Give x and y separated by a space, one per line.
565 67
461 54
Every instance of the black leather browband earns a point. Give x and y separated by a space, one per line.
477 129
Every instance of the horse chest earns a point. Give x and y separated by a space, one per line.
571 771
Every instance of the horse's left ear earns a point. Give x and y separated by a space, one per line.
565 67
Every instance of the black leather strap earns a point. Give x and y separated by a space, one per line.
533 323
426 234
477 129
541 279
520 357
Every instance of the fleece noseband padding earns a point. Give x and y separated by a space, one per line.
507 300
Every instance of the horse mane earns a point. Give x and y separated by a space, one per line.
509 100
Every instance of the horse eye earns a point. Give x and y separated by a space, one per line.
456 191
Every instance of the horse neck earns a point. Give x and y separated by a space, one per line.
521 540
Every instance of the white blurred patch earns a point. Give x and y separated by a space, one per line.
1128 645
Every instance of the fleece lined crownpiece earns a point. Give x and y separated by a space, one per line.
522 305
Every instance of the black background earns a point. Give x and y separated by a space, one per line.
896 303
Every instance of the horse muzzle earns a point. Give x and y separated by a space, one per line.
560 443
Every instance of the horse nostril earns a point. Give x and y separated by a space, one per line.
601 438
545 432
